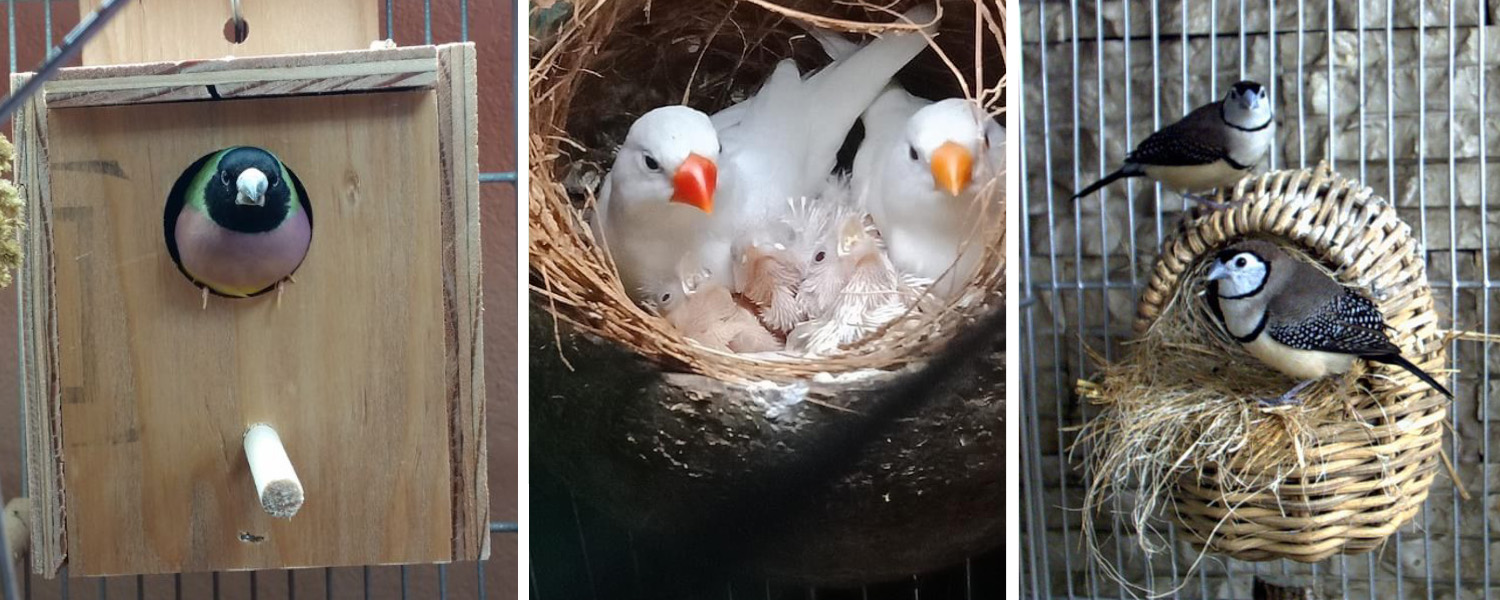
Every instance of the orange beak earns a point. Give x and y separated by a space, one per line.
952 166
694 183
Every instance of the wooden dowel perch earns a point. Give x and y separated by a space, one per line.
17 529
276 482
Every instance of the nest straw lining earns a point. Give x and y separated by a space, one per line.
577 115
1180 430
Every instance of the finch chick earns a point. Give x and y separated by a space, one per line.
852 289
705 311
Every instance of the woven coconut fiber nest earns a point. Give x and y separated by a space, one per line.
1180 429
810 470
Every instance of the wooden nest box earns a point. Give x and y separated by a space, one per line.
369 365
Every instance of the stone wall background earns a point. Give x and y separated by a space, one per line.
1434 156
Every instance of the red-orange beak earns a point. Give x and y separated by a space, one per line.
694 183
952 166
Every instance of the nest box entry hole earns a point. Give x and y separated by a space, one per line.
238 222
236 29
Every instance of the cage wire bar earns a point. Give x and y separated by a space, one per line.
9 578
1423 88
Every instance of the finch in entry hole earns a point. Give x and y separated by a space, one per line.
238 223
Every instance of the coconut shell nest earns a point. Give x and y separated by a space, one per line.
877 463
1180 429
615 60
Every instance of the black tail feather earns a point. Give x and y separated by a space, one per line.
1400 361
1121 173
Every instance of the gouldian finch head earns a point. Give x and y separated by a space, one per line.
670 155
248 190
943 140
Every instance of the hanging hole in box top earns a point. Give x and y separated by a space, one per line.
236 28
236 31
238 222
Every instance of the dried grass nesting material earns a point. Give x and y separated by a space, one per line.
1180 432
11 220
613 60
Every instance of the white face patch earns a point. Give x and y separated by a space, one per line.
1248 110
656 146
1239 274
252 185
953 120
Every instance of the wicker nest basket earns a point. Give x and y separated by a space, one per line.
798 470
1340 473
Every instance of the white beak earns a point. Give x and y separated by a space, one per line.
1218 272
252 185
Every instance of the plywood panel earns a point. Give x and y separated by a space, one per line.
165 30
458 147
351 366
281 75
38 337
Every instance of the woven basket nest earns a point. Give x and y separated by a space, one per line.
1180 428
613 60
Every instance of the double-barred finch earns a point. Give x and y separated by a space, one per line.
1212 147
1297 319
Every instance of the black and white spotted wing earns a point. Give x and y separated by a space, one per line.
1198 139
1350 324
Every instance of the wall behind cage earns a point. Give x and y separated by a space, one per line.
1402 92
491 25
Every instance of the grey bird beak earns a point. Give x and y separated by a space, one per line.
1218 272
252 188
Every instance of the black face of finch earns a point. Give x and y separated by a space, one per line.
1227 254
223 199
1246 87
